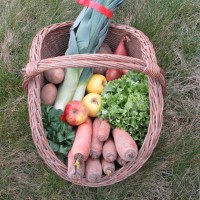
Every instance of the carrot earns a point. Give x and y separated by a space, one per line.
75 173
82 142
125 145
93 170
89 121
109 150
108 167
97 145
120 161
104 130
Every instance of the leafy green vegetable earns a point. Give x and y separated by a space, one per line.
125 104
59 135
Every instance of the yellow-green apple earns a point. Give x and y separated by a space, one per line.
96 84
92 101
75 113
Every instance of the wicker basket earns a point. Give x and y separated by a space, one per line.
47 52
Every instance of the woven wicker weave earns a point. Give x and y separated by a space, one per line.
47 52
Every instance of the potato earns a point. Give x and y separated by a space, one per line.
55 76
104 49
48 94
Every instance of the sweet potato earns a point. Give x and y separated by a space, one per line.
48 94
93 170
125 145
121 48
55 76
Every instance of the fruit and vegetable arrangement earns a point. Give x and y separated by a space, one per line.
95 119
102 131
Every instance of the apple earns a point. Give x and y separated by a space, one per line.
92 101
96 84
112 74
125 71
75 113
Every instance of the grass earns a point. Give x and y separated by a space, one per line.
172 172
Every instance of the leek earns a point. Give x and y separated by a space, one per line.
84 79
67 88
86 36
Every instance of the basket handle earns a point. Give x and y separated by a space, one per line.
93 60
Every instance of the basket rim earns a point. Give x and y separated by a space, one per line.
35 111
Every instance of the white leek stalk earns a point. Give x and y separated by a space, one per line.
83 81
67 88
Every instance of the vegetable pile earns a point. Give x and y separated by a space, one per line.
110 122
94 119
98 149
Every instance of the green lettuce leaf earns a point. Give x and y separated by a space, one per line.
125 104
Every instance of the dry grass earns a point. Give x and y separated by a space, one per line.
172 172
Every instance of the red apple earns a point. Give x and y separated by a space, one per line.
112 74
125 71
75 113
